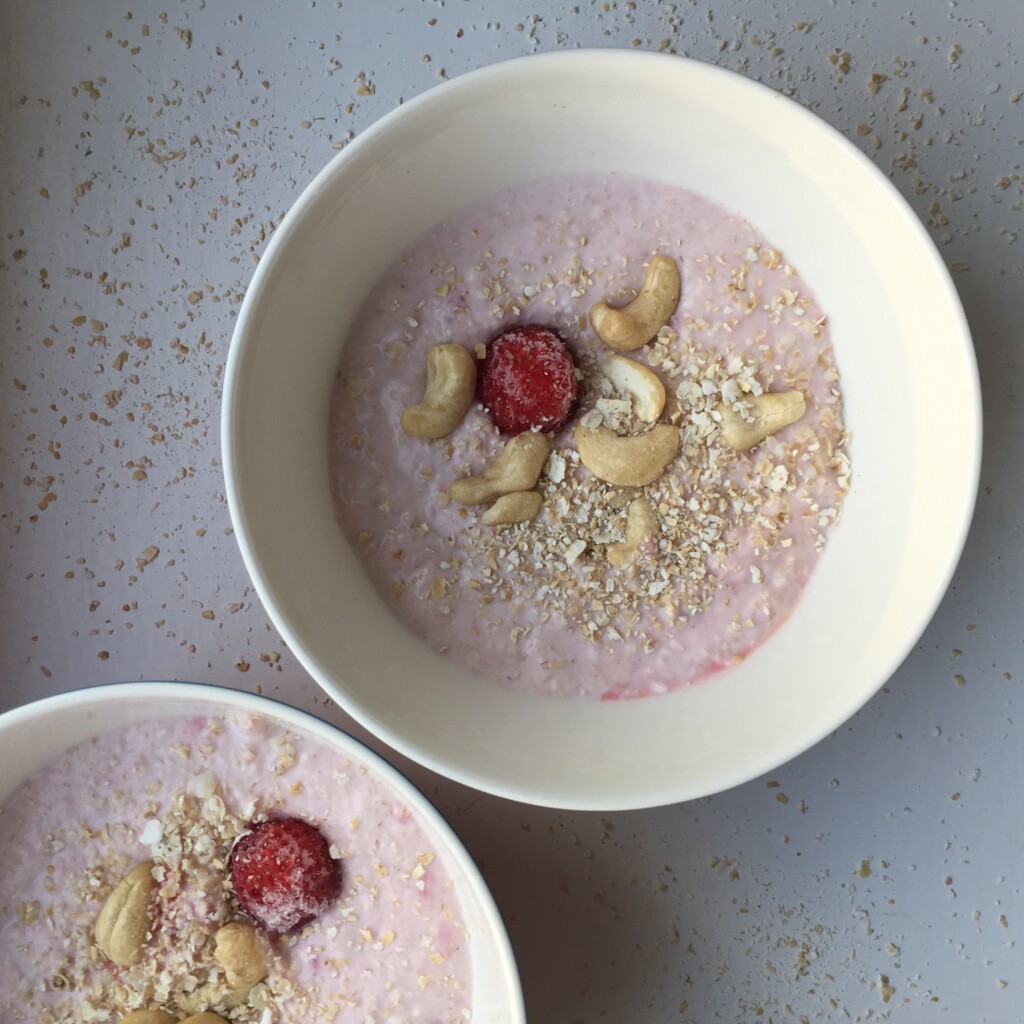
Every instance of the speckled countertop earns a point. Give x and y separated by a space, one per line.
148 151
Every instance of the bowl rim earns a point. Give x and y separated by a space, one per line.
211 693
670 792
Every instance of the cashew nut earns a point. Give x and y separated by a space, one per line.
206 1017
213 993
627 461
765 415
641 524
517 507
241 953
148 1017
633 325
517 468
451 384
123 923
640 383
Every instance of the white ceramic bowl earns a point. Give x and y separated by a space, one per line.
908 374
32 735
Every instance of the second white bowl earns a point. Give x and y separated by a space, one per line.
33 735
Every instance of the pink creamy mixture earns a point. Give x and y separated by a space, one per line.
537 606
178 791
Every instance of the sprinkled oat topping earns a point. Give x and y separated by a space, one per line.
702 505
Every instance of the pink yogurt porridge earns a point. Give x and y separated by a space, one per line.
178 792
537 605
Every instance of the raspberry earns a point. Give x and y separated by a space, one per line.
283 874
527 380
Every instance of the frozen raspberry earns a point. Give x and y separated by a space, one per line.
527 380
283 874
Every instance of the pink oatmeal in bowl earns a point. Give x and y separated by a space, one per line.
614 589
161 803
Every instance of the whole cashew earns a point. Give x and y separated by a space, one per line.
766 414
148 1017
517 468
634 324
641 524
206 1017
451 384
517 507
123 922
640 383
240 952
627 461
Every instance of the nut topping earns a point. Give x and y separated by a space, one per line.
517 507
636 323
240 951
451 384
123 923
755 417
517 468
642 385
641 525
627 461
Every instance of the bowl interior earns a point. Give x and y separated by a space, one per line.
900 340
33 735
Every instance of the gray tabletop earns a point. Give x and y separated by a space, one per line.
148 152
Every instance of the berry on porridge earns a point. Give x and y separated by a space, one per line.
282 873
527 380
664 523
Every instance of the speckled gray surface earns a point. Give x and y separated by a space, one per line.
149 149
